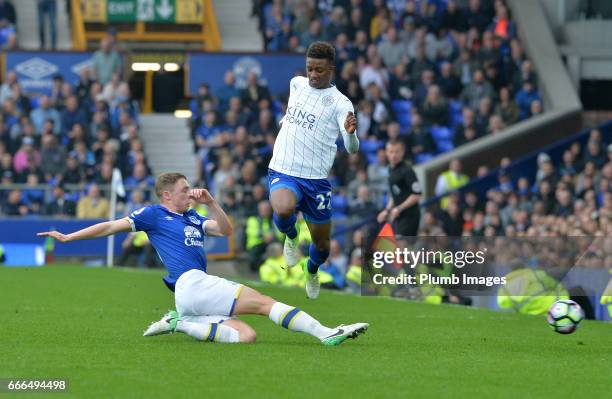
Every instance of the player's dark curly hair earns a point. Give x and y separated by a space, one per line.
165 181
322 50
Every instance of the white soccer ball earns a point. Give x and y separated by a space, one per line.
564 316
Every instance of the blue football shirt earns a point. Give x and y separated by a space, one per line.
177 238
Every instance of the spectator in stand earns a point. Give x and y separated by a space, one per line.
72 114
254 92
26 152
362 206
15 206
476 90
507 108
92 206
139 178
8 35
6 89
106 61
47 8
435 108
391 49
525 97
136 201
419 141
60 204
227 91
7 11
45 112
52 157
73 174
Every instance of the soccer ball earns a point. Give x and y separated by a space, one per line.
564 316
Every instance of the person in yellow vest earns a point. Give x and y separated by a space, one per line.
260 231
2 254
295 277
135 245
430 293
530 291
353 273
273 270
450 180
93 206
304 237
201 209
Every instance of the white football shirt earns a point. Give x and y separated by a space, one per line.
306 144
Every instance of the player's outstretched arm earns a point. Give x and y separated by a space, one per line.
97 230
220 225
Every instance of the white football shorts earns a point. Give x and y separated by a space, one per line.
199 295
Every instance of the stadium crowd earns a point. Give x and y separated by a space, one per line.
570 198
74 135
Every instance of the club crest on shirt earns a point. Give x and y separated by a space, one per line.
194 220
328 100
193 237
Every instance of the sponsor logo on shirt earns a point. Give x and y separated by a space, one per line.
297 116
193 237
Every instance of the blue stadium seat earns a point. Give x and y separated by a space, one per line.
441 133
456 117
445 145
424 157
402 110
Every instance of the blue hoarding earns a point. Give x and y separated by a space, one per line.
16 231
35 70
273 70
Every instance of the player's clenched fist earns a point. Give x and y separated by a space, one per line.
201 196
350 124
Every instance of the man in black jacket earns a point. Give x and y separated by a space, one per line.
405 193
60 205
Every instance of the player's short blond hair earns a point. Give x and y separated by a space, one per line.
166 181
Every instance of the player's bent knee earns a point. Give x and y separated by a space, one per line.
283 203
284 211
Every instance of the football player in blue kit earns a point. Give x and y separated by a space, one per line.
206 305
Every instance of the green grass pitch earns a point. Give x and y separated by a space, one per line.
85 324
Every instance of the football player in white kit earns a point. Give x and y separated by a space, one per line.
206 305
303 155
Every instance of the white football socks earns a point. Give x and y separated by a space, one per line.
214 332
296 320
